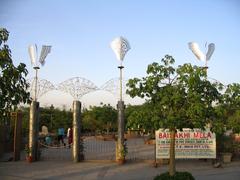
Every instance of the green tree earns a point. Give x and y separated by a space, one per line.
228 111
233 122
102 118
12 80
180 97
90 122
51 117
55 118
231 107
141 117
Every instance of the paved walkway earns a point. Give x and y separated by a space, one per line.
107 171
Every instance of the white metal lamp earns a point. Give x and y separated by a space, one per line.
33 53
193 46
120 47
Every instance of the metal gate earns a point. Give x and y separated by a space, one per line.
54 151
99 149
138 150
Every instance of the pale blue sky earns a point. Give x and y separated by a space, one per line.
80 33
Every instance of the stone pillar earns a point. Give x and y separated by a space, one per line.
120 140
17 135
77 144
33 130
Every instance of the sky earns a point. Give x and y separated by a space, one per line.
80 33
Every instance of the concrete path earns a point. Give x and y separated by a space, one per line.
111 171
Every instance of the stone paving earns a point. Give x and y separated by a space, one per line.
106 171
57 164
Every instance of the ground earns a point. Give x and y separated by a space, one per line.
99 164
201 170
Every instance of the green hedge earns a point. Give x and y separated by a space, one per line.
177 176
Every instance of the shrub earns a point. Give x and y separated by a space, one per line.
27 150
177 176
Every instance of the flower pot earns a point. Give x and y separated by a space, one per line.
121 161
227 157
29 159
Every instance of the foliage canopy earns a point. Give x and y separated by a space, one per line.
13 85
180 97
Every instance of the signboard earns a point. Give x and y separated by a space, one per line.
189 144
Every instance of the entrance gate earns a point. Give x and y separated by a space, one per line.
100 150
94 149
55 152
138 150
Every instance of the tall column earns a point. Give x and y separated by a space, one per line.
120 80
33 130
120 141
77 144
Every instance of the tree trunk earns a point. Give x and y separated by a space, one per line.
172 167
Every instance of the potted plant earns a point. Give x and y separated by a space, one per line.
28 154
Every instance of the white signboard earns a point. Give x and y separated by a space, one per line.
189 143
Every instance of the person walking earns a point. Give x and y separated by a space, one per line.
61 136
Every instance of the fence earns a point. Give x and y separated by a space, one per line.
96 149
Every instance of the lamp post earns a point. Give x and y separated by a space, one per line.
120 46
33 53
34 108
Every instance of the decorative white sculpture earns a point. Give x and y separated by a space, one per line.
120 47
33 53
211 48
43 86
196 51
77 87
32 50
199 54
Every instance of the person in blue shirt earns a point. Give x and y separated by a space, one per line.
48 140
61 135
